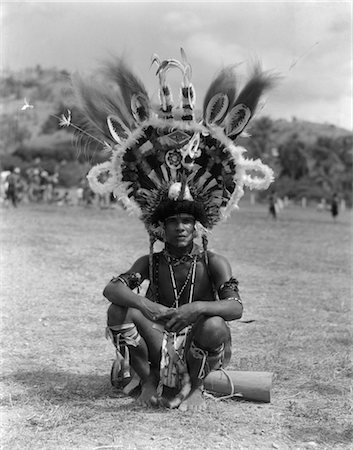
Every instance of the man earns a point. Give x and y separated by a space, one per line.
180 176
13 182
198 309
334 206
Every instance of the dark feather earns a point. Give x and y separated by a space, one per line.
258 83
129 84
225 83
96 103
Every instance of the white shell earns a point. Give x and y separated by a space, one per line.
219 101
174 192
118 135
139 108
237 119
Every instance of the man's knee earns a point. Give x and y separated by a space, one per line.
120 314
211 332
121 328
116 314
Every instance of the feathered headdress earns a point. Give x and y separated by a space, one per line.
163 162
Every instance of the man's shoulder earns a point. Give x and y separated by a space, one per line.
140 263
218 263
215 258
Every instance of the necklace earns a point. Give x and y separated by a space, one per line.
191 274
176 260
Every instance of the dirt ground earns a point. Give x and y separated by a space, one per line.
294 278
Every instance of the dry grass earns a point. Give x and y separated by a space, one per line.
295 281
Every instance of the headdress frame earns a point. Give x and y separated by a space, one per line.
158 161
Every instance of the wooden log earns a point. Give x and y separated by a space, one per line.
248 385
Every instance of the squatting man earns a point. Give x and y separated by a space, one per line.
183 303
181 176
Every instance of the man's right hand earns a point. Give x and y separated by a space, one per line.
152 310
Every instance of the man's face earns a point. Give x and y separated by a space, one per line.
179 230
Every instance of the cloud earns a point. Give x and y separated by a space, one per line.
214 51
180 21
314 38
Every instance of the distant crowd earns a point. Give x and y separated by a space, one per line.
35 185
334 205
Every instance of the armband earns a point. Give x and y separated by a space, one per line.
131 280
229 290
236 299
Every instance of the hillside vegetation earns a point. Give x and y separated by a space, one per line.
310 159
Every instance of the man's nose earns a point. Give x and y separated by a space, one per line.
179 225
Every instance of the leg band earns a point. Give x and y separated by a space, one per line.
124 334
198 353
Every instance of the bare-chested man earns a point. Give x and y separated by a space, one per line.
180 176
209 333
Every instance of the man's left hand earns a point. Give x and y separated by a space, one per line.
177 319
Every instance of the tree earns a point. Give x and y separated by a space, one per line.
292 158
13 133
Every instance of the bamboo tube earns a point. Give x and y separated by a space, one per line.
248 385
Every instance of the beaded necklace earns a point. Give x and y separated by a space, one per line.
191 274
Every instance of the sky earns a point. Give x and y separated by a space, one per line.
308 43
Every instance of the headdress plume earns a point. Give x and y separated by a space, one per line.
222 90
161 165
132 89
96 103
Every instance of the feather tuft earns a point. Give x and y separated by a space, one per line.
95 103
247 101
130 86
224 83
258 83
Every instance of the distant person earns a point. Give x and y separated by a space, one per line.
65 200
3 184
88 194
12 184
44 181
322 205
104 201
272 206
35 185
79 195
80 192
334 206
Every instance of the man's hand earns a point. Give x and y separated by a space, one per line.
177 319
153 310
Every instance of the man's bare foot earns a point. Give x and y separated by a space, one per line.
148 396
194 401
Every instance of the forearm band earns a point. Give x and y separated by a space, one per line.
236 299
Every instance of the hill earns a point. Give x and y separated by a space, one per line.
311 159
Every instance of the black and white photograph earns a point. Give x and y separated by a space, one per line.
176 225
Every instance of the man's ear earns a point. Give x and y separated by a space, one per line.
162 227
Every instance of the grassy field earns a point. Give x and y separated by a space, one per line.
295 282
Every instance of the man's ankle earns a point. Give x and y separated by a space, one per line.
196 383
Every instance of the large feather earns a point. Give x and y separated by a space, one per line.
224 83
258 83
130 85
97 102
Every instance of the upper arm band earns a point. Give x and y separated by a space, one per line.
229 290
131 280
